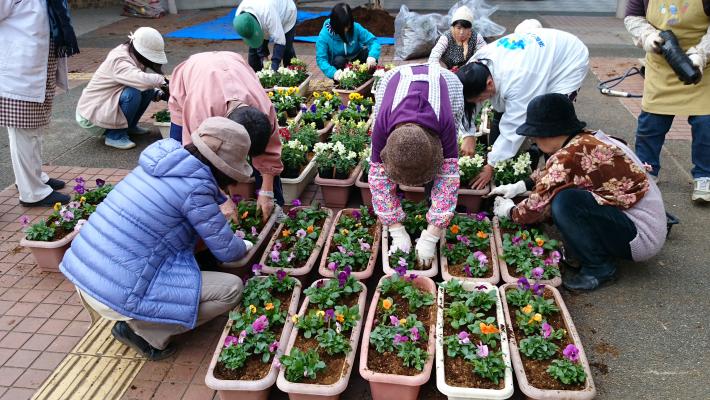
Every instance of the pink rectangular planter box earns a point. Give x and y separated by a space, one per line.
461 393
362 89
49 254
364 187
336 192
531 392
413 193
251 256
390 386
507 278
493 265
304 391
471 198
429 273
375 248
305 269
251 390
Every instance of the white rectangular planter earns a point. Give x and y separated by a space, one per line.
292 188
461 393
164 128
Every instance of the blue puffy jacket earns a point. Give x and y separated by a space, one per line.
135 253
331 45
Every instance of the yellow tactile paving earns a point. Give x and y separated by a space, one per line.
99 367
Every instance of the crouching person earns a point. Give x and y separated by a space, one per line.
133 260
595 189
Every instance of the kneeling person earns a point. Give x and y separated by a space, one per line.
133 260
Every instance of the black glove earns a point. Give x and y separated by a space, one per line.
161 95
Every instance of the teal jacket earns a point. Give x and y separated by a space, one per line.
330 45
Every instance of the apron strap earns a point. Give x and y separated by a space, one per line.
432 78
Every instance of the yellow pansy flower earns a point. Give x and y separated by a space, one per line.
320 313
57 206
403 321
527 309
294 319
252 308
269 306
344 232
316 95
82 199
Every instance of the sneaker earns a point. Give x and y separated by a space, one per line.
123 143
49 201
137 130
124 334
701 189
579 282
55 184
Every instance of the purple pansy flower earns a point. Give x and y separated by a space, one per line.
240 234
481 257
467 270
67 215
80 180
236 198
464 337
398 339
254 232
242 336
342 250
394 320
538 289
537 251
571 352
517 240
273 346
463 239
537 272
280 275
555 256
481 216
482 350
277 363
256 269
333 266
313 108
300 233
546 330
230 340
260 324
296 203
342 107
343 278
548 262
329 314
275 256
414 333
290 257
79 189
411 277
523 283
24 221
364 246
356 214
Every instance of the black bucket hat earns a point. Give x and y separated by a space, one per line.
551 115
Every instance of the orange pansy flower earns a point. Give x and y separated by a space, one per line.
482 235
455 229
286 233
488 329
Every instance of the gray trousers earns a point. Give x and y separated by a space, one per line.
220 293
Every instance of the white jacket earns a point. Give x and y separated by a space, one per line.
24 29
276 17
527 65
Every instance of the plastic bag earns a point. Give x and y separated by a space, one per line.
416 34
481 17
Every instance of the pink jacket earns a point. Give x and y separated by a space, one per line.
209 85
99 100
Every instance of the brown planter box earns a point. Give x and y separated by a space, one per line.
306 268
444 262
336 192
362 89
237 267
530 391
374 249
49 254
507 278
364 187
471 198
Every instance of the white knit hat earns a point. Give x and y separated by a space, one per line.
462 13
528 25
149 43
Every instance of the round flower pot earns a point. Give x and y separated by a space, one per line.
503 266
292 188
589 390
251 389
374 249
458 392
430 272
306 391
336 191
364 186
306 268
390 386
444 262
164 128
49 254
243 266
362 89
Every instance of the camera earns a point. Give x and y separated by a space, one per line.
678 60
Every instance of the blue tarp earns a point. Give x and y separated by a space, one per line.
221 29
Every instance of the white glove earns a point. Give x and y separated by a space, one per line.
697 61
426 248
248 244
336 76
400 240
371 62
653 42
502 207
509 191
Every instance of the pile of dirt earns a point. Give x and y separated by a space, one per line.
378 22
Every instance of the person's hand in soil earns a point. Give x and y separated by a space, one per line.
484 177
265 205
229 210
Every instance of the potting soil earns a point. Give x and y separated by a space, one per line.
379 22
458 269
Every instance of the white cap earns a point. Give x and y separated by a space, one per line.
462 13
149 43
528 25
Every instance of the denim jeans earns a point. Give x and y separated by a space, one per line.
133 104
256 56
176 132
594 233
651 133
